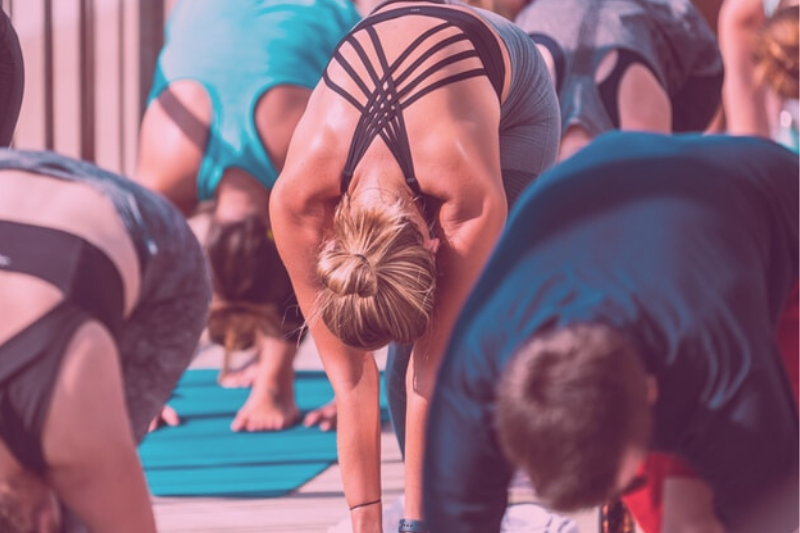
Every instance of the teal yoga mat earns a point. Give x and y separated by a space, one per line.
203 457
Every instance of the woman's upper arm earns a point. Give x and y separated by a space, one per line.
470 227
300 214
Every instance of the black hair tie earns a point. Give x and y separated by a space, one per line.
367 504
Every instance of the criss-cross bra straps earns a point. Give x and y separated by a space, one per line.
394 89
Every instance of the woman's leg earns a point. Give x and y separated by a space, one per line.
172 143
633 98
642 102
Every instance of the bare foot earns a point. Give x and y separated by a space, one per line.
240 378
324 417
167 417
266 414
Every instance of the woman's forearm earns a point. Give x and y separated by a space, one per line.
358 440
416 422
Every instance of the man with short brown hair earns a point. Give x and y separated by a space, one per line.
630 306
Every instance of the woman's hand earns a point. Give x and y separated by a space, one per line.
167 417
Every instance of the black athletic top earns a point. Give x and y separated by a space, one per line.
686 244
389 90
89 280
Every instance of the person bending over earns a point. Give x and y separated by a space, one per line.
430 120
630 306
105 293
231 83
626 64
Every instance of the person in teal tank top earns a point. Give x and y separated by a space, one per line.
230 84
237 51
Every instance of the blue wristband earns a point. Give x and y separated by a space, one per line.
412 526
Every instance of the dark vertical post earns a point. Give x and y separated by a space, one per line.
151 37
49 77
86 69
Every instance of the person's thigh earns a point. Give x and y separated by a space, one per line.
172 143
634 97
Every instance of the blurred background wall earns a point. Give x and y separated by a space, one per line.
88 68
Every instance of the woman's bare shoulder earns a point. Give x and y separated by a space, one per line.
320 142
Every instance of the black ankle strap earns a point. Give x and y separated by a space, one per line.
412 526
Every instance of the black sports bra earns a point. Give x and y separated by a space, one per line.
393 90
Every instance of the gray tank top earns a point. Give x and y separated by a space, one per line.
670 35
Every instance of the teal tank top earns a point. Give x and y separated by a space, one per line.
237 50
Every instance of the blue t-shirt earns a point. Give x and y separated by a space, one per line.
689 246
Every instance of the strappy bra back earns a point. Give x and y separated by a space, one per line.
389 89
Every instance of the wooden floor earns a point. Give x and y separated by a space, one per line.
314 508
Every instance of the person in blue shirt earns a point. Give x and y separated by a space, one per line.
631 305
